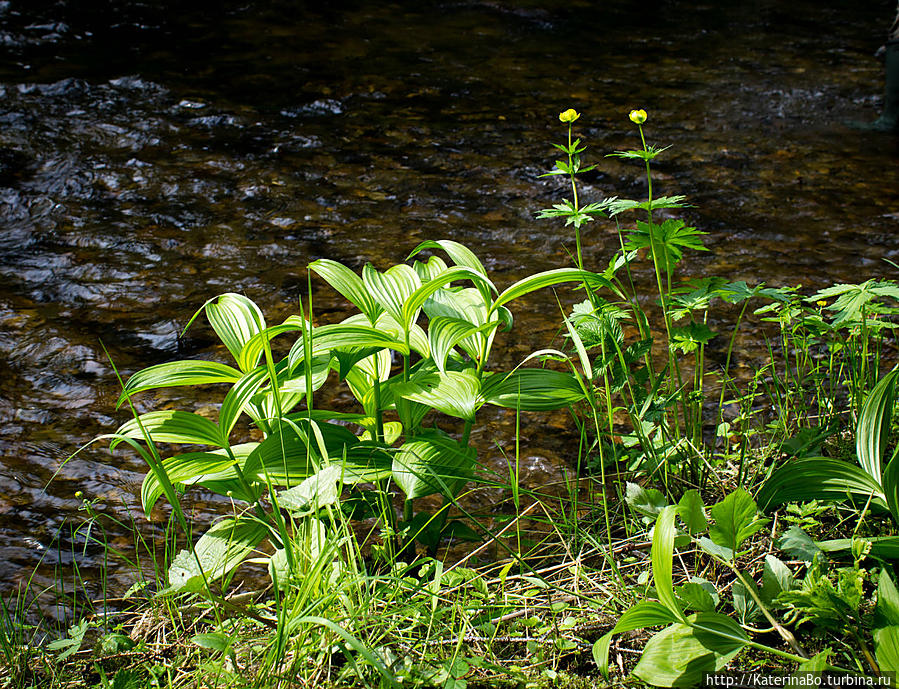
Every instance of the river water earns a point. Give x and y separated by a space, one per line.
154 154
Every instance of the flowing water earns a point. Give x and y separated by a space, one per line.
154 154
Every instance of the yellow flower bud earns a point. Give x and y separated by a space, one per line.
569 116
637 116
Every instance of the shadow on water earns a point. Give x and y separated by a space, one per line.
153 155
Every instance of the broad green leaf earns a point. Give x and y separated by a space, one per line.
391 289
291 391
418 339
432 462
319 490
662 559
255 346
466 305
681 654
416 300
675 658
882 547
349 285
239 396
714 549
235 320
744 604
461 256
172 426
179 373
193 467
719 633
219 551
214 641
798 544
691 510
455 393
532 389
647 613
695 596
292 454
818 478
735 520
873 431
776 578
429 269
353 336
547 279
647 501
444 333
886 648
361 381
817 663
886 613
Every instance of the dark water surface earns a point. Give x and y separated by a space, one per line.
155 154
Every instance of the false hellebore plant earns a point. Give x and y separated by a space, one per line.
420 343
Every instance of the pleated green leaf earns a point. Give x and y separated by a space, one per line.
466 305
392 288
173 426
239 397
349 285
461 256
417 299
891 488
675 658
192 467
179 373
680 655
662 556
444 333
455 393
346 338
432 462
882 547
886 648
327 337
886 612
532 389
818 478
429 269
291 454
873 431
235 320
719 633
547 279
647 613
252 350
219 550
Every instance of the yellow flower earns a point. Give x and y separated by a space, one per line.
821 303
569 116
637 116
